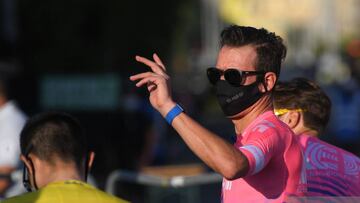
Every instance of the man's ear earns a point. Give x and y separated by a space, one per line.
91 159
293 119
27 163
269 82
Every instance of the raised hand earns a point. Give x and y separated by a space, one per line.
157 82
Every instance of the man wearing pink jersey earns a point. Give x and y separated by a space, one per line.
331 171
266 161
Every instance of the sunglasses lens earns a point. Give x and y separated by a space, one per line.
213 75
233 77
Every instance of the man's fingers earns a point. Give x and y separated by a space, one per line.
141 75
147 77
150 83
147 81
154 66
151 86
158 61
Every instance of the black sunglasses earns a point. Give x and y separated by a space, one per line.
231 75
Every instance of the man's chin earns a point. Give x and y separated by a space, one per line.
237 116
241 114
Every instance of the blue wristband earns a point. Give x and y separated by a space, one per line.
175 111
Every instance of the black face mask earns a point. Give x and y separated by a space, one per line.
234 100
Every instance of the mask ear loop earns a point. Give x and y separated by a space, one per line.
260 78
26 177
86 169
26 181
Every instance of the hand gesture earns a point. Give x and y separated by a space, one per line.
157 82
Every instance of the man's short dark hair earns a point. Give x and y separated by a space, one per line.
270 48
54 136
301 93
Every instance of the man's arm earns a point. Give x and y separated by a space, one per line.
213 150
5 178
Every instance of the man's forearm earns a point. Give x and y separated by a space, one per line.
213 150
5 178
4 184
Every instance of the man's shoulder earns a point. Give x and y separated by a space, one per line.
271 131
267 121
55 193
314 142
83 192
270 126
107 197
27 197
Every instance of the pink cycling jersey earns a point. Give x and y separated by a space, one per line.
275 163
330 170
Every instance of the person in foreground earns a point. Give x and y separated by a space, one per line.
306 109
56 162
265 162
12 120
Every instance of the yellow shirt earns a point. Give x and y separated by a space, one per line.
69 191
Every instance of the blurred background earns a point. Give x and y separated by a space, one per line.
77 55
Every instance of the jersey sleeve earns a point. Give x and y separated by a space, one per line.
263 143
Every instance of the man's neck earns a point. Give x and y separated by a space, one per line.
308 132
250 114
301 129
62 172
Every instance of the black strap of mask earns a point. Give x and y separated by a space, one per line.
260 79
86 169
26 177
